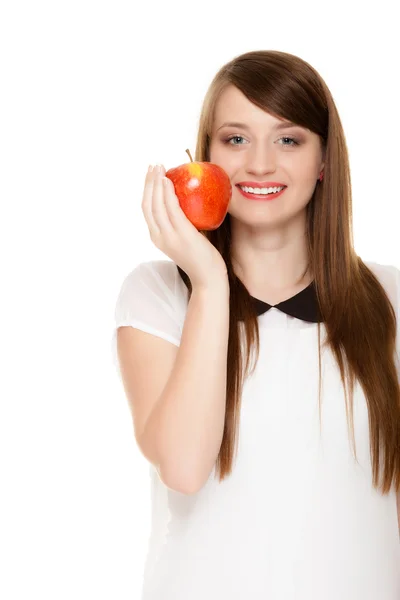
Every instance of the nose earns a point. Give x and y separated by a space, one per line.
261 160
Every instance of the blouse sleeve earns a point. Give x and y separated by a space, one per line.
150 299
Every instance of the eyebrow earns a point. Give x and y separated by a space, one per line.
244 126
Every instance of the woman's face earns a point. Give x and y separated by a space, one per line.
261 150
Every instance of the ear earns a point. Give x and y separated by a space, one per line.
323 155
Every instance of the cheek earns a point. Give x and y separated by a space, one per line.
217 153
304 171
227 160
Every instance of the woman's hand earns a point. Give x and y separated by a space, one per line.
173 233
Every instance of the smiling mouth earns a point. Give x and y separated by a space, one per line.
261 190
261 193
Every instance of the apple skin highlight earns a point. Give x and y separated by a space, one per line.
204 191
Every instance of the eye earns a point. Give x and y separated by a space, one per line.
293 141
233 137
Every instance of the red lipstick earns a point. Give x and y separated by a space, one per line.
261 184
267 184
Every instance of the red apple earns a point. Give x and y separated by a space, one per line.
204 191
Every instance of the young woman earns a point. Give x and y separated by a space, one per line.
276 482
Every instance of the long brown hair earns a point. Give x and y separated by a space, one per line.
359 317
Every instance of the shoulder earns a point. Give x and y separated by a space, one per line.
389 277
153 270
157 281
382 269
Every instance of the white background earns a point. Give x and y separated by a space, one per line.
91 94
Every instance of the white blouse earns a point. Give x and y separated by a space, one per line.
298 519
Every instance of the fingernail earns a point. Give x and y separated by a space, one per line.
150 169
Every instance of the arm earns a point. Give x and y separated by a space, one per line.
186 425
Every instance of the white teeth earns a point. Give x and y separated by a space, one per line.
271 190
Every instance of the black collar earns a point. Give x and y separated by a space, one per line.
303 305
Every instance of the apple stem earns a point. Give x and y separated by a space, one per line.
188 151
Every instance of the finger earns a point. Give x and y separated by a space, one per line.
148 201
176 215
158 206
179 220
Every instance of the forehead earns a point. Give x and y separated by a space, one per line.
232 106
